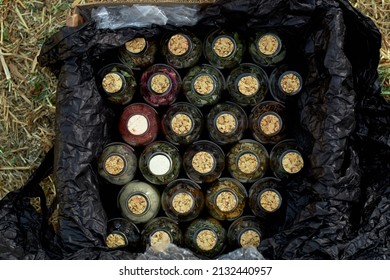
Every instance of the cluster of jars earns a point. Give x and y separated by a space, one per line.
209 172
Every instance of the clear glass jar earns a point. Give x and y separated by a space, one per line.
285 159
204 161
123 234
245 231
182 124
223 49
160 84
116 83
247 161
117 163
226 199
267 122
138 52
267 49
203 85
285 83
181 49
160 163
226 123
139 201
139 124
205 237
160 232
247 84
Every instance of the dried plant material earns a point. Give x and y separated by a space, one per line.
137 125
178 44
248 85
136 46
270 124
268 44
247 163
226 123
203 162
115 240
112 83
181 124
204 85
160 83
270 201
114 165
290 83
226 201
159 238
137 204
224 47
292 162
250 238
182 202
206 240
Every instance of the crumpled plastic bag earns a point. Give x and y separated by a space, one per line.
340 209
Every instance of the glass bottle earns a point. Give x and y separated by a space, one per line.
138 52
245 231
266 48
285 83
160 232
122 233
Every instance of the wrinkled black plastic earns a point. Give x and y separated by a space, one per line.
338 209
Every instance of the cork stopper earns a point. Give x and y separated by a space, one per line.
270 124
137 125
206 240
114 165
181 124
136 45
115 240
203 162
248 85
160 83
247 163
160 164
226 201
159 238
224 46
270 201
226 123
137 204
268 45
250 237
290 83
182 202
292 162
179 44
112 83
204 85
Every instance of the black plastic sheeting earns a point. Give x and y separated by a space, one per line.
339 209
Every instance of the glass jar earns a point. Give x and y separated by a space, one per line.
160 163
203 85
160 232
117 83
285 83
247 84
204 161
160 84
182 49
139 124
117 163
267 48
226 123
247 161
139 201
182 200
223 49
267 122
285 159
122 233
266 197
182 124
226 199
244 232
139 52
205 237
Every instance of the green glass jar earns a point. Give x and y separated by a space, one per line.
123 234
160 232
285 83
267 48
138 52
246 231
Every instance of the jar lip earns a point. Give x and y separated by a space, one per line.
166 156
243 75
190 44
143 51
228 113
278 49
212 168
121 157
270 190
284 154
295 74
273 114
245 230
147 123
233 52
189 210
149 84
230 192
212 77
123 86
192 126
241 153
147 203
202 229
122 234
163 230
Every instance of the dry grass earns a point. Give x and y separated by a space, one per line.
27 92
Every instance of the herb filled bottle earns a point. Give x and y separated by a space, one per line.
117 83
244 232
160 232
285 83
139 52
121 233
267 49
